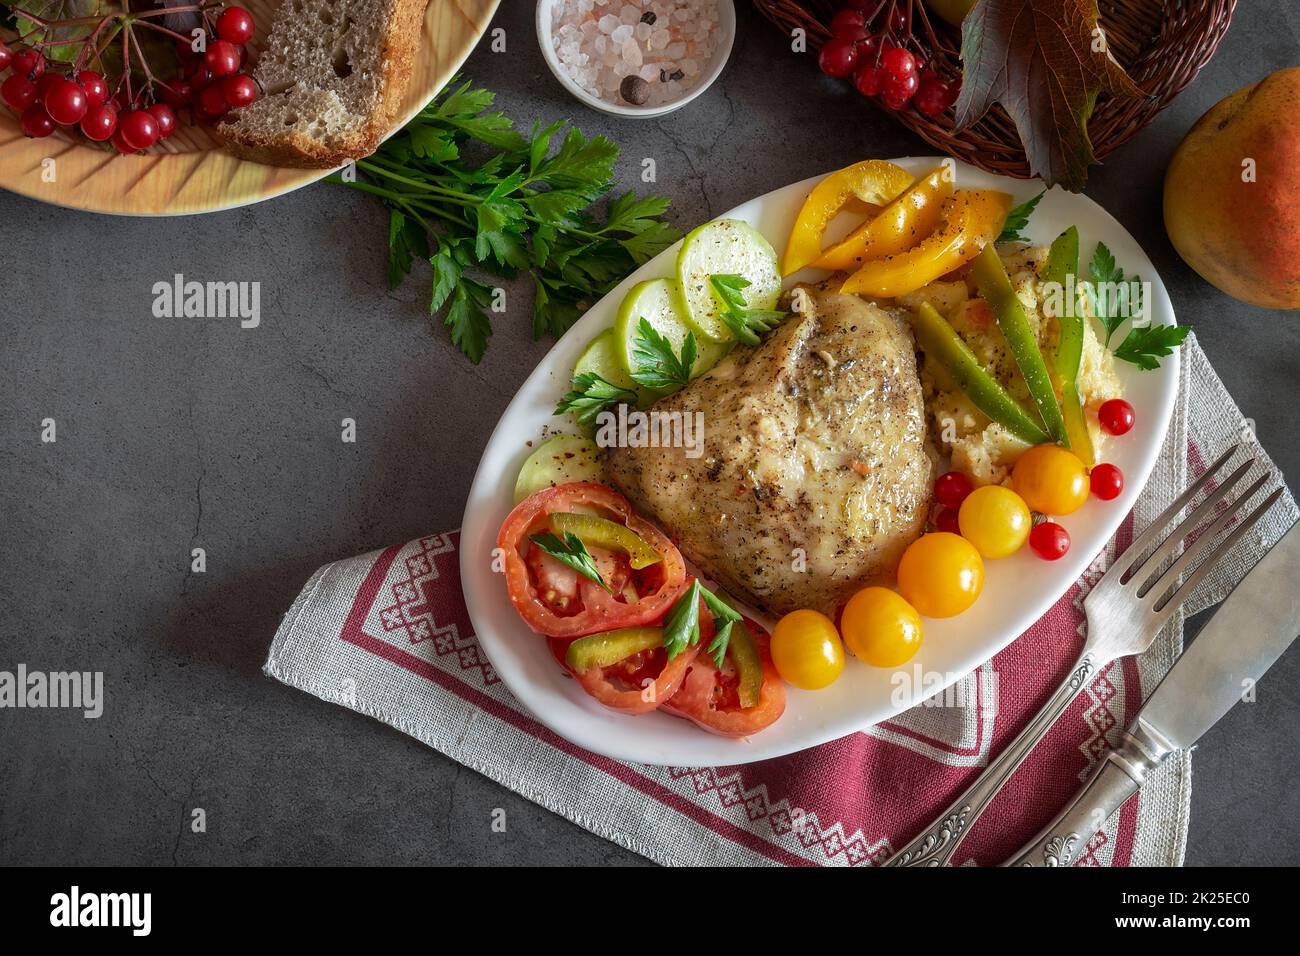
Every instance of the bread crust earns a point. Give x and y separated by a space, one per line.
402 42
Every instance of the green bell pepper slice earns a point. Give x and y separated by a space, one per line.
995 286
940 341
749 666
603 533
1062 264
609 647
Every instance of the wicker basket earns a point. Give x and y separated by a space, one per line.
1161 43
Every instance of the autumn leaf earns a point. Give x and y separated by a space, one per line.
64 52
1045 61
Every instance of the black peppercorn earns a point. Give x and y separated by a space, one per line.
634 90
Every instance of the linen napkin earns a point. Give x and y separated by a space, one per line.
387 634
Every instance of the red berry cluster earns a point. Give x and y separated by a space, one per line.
865 46
211 85
212 82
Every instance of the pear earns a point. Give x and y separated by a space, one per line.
1232 193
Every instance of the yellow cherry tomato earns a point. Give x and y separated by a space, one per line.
941 574
995 520
1051 479
880 627
806 649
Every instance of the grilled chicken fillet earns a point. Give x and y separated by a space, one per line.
815 473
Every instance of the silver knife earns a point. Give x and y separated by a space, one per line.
1249 631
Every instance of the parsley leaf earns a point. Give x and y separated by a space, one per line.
726 617
1018 220
746 324
656 365
1106 278
1145 346
570 551
682 626
527 210
469 324
590 396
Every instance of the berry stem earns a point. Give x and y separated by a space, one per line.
167 30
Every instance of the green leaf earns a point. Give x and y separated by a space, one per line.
1018 220
570 551
1103 267
590 396
516 208
1145 347
654 363
726 617
627 213
464 101
405 241
556 205
446 275
1104 270
499 233
721 640
430 142
553 313
682 626
541 144
469 324
746 324
585 165
650 241
50 10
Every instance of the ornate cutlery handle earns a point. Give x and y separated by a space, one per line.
937 843
1116 779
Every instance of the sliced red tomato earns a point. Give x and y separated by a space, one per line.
640 683
545 598
709 696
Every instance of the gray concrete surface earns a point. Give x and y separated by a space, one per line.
180 433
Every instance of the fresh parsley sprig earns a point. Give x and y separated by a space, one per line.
1143 346
591 395
570 550
527 208
682 626
1104 270
1018 220
1146 346
726 617
655 364
746 324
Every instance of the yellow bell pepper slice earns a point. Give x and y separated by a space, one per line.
873 181
903 223
971 219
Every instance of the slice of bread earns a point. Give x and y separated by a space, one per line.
332 74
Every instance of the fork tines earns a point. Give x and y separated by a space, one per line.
1154 579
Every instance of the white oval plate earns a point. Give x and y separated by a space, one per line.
1017 591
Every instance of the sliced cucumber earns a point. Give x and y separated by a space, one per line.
556 461
603 357
658 301
725 247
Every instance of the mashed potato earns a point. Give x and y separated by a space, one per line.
982 449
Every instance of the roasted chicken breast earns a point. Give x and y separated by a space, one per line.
815 472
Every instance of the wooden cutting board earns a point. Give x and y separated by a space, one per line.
189 172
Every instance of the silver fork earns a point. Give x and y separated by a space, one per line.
1125 611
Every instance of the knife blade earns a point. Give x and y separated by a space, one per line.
1246 635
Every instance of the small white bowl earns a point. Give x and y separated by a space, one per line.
726 23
